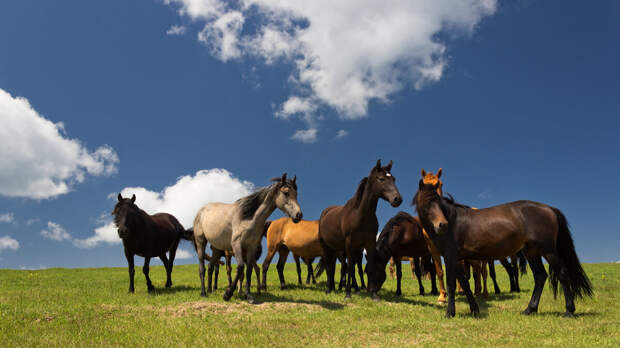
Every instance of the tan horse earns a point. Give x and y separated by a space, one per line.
302 239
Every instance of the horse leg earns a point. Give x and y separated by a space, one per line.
298 268
257 271
473 305
311 270
238 252
360 271
559 269
412 264
343 272
372 273
251 262
168 266
451 266
492 274
540 276
228 256
399 275
418 274
476 266
329 262
391 267
132 271
214 264
436 256
433 274
201 244
515 271
172 253
271 251
308 263
508 268
485 292
283 255
350 269
145 270
217 273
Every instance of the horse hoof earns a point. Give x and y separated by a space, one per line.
347 297
227 296
203 294
151 289
450 315
398 293
529 311
376 298
568 315
251 300
131 291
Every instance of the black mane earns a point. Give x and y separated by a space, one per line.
387 229
357 198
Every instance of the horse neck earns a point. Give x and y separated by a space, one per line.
369 200
265 209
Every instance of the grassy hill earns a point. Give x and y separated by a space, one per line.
91 307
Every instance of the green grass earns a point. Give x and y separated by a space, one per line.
91 307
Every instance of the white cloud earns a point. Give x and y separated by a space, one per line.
183 254
183 199
176 30
341 134
55 232
37 160
31 221
6 242
345 53
7 217
307 136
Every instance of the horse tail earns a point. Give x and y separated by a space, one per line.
267 224
578 281
522 262
320 267
188 234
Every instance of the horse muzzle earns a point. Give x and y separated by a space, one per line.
396 201
298 217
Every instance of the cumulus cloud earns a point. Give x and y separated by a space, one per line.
6 242
183 200
344 53
341 134
7 218
55 232
37 160
183 254
176 30
307 136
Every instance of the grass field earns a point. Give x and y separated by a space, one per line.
91 307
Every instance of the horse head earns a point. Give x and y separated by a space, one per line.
383 184
123 208
286 197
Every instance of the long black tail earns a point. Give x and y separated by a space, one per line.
319 268
577 279
522 262
188 234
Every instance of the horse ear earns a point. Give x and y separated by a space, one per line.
421 184
284 177
133 198
439 173
294 179
378 166
120 198
389 166
423 172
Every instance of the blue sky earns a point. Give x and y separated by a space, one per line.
513 101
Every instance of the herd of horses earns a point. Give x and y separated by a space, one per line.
466 237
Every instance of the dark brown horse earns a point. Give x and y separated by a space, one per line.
460 232
147 236
353 227
402 237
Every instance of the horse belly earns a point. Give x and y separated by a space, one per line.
495 246
304 245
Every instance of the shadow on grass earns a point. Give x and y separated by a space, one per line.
561 314
175 289
266 297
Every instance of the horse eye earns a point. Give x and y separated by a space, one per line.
381 179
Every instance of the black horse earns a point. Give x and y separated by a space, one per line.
147 236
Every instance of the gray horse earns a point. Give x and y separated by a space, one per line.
239 227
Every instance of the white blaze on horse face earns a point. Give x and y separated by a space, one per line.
388 174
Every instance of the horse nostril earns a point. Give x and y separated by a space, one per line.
442 225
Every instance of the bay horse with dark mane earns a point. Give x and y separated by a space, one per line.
353 227
147 236
460 232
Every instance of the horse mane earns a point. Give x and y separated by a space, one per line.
450 199
249 204
359 193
